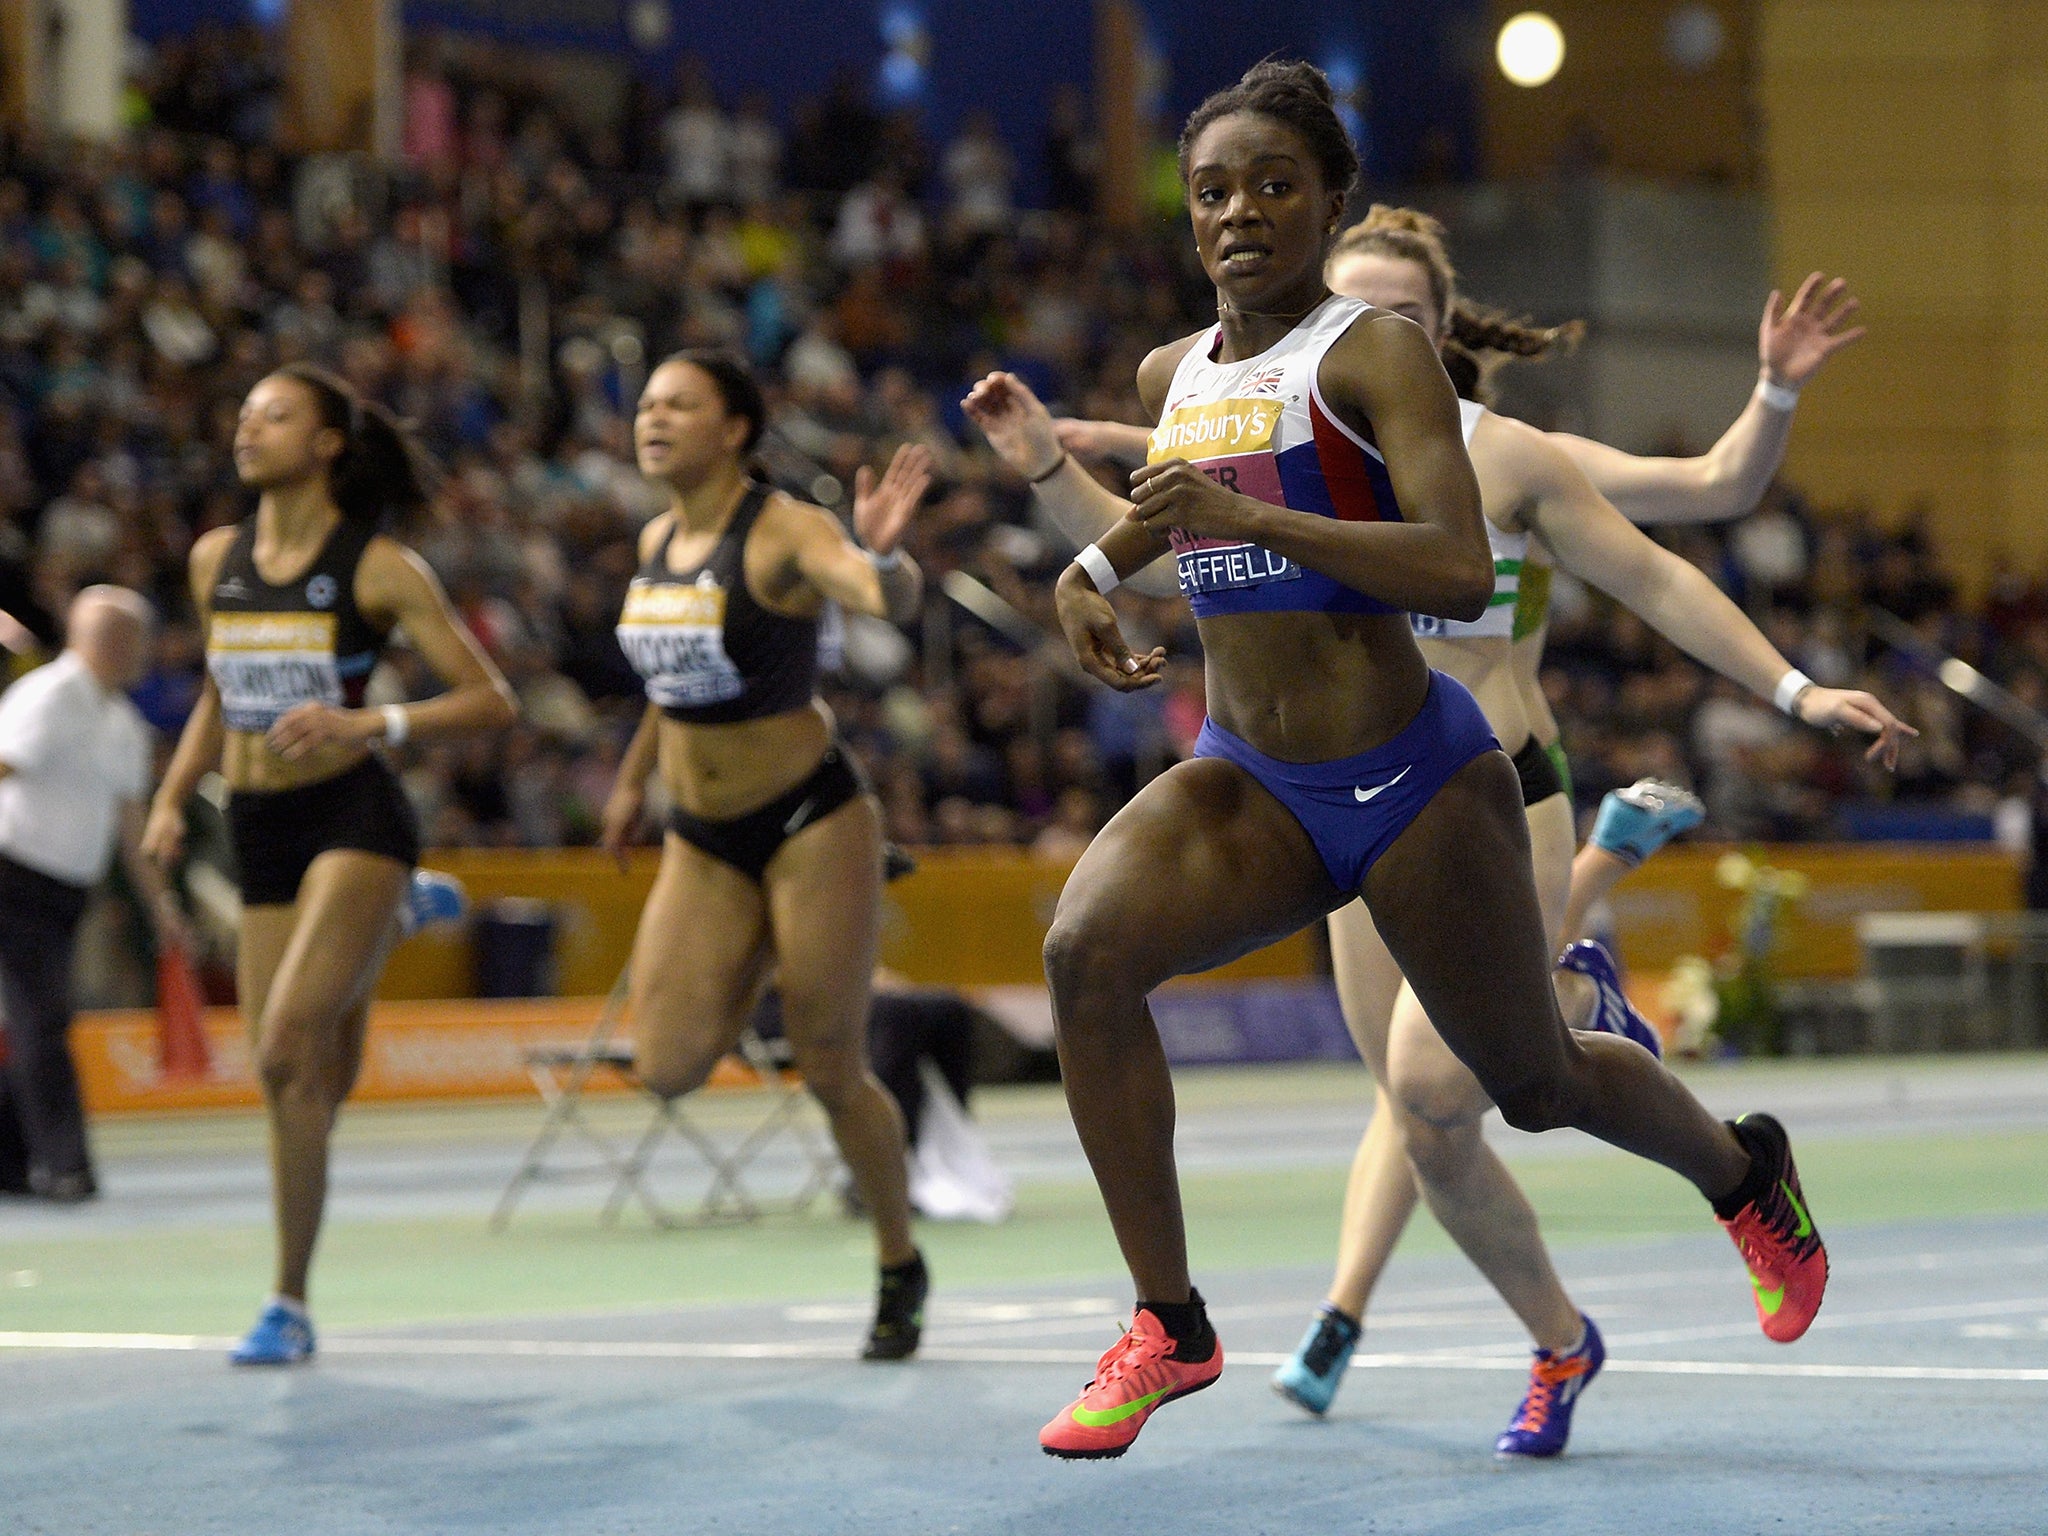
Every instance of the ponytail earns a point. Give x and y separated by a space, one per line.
382 469
1477 339
1479 328
1483 339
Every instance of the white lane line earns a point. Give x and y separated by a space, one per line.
839 1352
1486 1323
1826 1322
1883 1318
112 1341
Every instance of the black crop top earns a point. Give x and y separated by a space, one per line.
270 648
711 655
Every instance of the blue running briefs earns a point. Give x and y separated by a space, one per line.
1352 808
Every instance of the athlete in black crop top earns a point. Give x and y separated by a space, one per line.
711 653
297 602
303 639
773 857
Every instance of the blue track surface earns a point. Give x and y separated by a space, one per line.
1916 1404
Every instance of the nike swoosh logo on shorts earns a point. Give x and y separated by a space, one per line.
1366 794
796 823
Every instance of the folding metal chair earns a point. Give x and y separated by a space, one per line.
562 1073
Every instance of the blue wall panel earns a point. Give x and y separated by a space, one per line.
1008 57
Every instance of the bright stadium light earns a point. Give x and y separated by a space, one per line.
1530 49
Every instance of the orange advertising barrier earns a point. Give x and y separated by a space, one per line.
595 910
1673 906
976 917
432 1050
968 917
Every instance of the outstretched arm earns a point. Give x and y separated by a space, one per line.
1103 439
1597 544
1728 480
879 579
1026 439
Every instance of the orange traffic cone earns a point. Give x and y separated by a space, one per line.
181 1049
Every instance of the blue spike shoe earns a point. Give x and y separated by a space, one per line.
280 1337
1613 1013
1544 1421
1311 1378
432 900
1635 822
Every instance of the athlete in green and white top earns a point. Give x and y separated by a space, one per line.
1542 497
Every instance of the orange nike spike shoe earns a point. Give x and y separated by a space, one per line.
1137 1375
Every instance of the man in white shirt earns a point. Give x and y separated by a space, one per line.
74 777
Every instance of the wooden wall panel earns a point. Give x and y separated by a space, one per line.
1825 34
1906 148
1653 118
1914 129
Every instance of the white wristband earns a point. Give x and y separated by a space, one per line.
396 725
1100 571
1779 397
1790 686
888 562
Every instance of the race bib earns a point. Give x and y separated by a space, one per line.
1230 441
674 636
264 664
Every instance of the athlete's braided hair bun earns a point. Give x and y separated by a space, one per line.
1289 91
1381 217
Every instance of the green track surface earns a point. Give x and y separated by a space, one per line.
384 1273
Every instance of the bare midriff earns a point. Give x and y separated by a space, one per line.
1310 687
250 767
1306 688
722 771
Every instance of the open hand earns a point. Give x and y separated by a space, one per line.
883 509
1796 338
1015 422
305 728
1098 642
1836 709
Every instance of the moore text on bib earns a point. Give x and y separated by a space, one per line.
674 636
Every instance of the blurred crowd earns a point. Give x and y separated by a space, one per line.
1824 582
507 287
